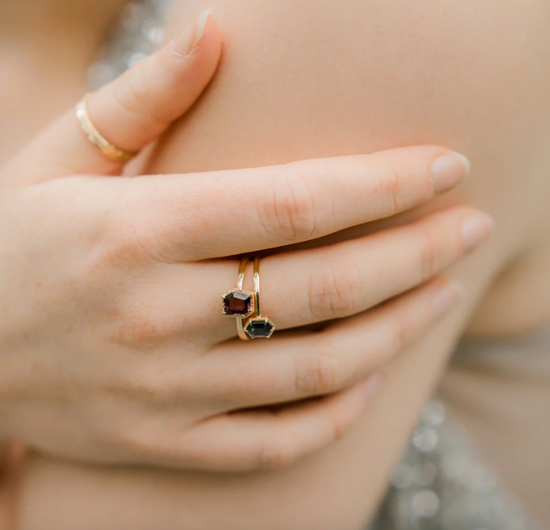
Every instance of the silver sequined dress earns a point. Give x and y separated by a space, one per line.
440 482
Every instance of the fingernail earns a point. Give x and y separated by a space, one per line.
200 26
373 384
448 170
446 298
184 45
475 230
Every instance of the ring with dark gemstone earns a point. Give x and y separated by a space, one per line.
259 328
238 303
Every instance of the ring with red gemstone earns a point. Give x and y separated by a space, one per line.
259 326
238 303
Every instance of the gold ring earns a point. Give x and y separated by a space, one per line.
105 147
258 327
239 303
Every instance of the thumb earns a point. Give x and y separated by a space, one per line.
130 112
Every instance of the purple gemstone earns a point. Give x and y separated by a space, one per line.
237 304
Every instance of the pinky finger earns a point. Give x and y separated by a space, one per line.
257 439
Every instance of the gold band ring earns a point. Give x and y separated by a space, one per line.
258 327
103 145
239 303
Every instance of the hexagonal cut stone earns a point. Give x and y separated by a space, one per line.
259 328
238 303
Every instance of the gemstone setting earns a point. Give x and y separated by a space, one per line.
238 303
259 328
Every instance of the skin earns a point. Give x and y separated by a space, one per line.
508 286
451 58
95 341
42 68
93 372
363 458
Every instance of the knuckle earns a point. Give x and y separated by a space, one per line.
390 186
287 211
123 240
134 236
138 326
148 240
141 428
140 441
140 385
334 287
133 95
122 437
320 374
128 93
428 254
276 453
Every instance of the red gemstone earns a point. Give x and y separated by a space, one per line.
238 303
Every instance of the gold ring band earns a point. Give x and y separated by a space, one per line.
106 148
241 304
240 283
259 326
257 286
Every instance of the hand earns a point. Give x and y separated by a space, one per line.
113 347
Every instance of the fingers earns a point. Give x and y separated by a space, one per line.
233 212
309 286
297 365
268 439
304 287
130 112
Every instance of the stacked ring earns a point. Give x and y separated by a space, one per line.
241 304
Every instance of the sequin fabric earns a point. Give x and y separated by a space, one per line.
440 483
138 31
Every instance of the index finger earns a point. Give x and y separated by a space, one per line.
227 213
